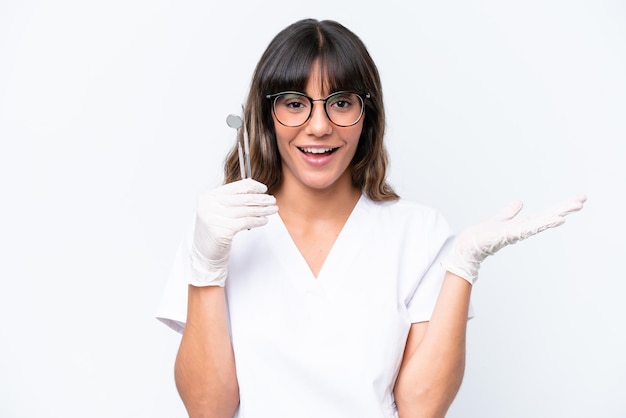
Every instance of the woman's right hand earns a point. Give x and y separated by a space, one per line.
220 214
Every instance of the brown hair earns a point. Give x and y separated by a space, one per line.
285 65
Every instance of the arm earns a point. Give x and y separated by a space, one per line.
434 358
205 365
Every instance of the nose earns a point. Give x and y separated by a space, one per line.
319 124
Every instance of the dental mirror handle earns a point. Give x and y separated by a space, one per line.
235 122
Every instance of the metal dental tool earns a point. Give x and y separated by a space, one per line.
246 144
236 122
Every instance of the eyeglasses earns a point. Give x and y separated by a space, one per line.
293 109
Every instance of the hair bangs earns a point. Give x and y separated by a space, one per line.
291 70
339 71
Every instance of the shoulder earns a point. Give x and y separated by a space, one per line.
402 211
407 221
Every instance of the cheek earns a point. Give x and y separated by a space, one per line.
283 137
355 140
355 135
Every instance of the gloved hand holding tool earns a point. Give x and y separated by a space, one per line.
220 214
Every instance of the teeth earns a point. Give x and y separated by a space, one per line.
317 150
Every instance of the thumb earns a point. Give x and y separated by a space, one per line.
509 211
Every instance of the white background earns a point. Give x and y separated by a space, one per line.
112 119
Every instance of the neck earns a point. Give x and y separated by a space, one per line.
295 199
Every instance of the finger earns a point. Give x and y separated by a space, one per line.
242 186
535 224
576 204
250 222
569 206
235 200
509 211
241 212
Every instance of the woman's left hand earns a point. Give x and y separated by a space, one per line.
486 238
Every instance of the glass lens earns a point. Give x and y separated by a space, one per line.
292 109
344 108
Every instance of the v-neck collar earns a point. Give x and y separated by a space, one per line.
345 247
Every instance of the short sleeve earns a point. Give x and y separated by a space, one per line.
172 309
436 243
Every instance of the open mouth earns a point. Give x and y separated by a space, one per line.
317 151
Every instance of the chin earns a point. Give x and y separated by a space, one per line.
326 184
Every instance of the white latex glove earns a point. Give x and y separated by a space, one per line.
220 214
486 238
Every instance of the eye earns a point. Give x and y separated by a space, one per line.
292 102
342 102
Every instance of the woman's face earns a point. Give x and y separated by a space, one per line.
317 155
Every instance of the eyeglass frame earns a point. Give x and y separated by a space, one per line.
362 96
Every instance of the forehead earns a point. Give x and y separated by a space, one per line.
317 84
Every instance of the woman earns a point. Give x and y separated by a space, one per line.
350 302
